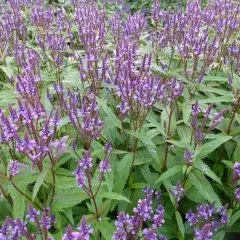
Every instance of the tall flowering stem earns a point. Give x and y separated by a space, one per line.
84 176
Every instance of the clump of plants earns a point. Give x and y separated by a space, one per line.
118 123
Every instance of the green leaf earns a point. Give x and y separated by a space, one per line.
216 99
194 195
69 214
117 151
236 155
104 208
112 195
228 163
168 185
180 223
234 218
111 116
145 139
122 172
200 165
156 124
215 90
19 202
215 79
186 110
211 146
180 144
140 185
170 172
237 116
219 235
142 157
106 229
39 183
67 200
204 187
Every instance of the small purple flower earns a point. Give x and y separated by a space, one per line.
237 194
218 117
80 177
108 147
204 233
85 229
158 218
196 109
156 11
158 194
13 229
236 169
207 112
188 156
55 121
224 219
149 234
105 165
191 217
205 211
178 191
86 163
120 235
32 214
46 131
15 167
143 209
70 235
59 147
45 221
129 227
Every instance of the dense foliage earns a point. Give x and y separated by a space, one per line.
119 120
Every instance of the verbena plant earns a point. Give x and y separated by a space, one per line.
119 122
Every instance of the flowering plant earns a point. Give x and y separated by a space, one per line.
119 120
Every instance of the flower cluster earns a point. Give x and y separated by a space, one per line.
207 219
83 172
14 229
43 221
69 66
178 192
186 34
210 121
129 227
15 167
138 89
235 180
84 231
188 156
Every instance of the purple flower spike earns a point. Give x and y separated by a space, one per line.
207 112
188 156
105 166
178 191
85 229
45 221
70 235
204 233
129 227
191 217
149 234
237 194
15 167
108 147
32 214
158 217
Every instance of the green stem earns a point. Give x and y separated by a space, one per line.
26 196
